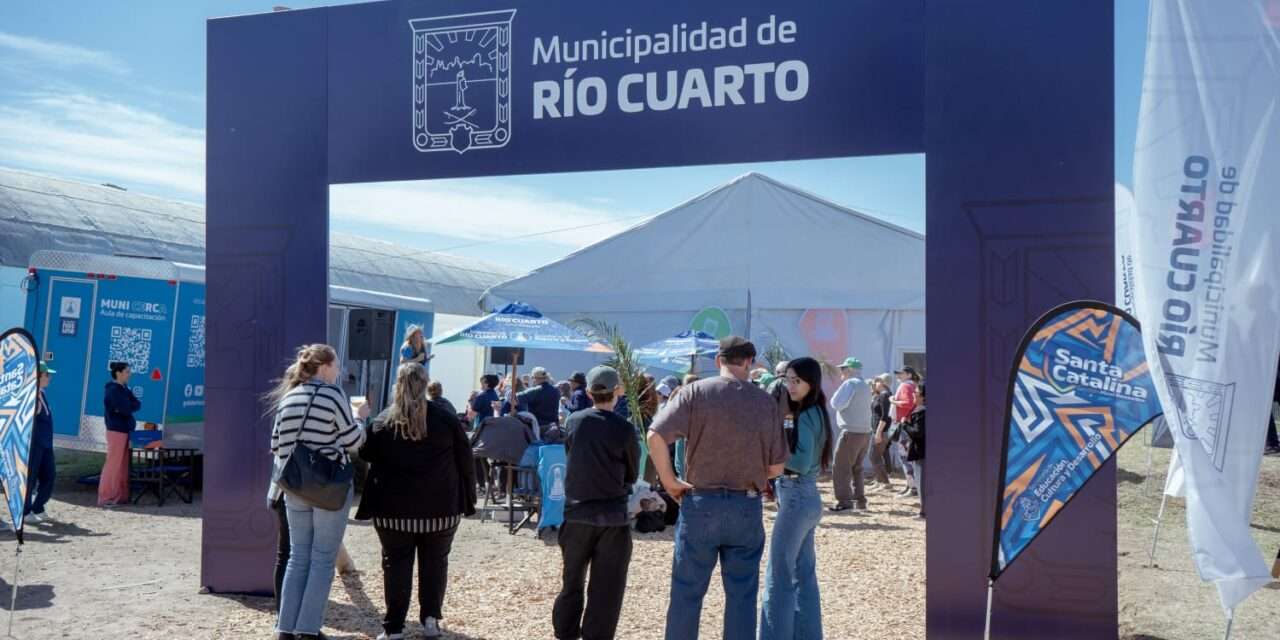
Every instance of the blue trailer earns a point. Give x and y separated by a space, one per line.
87 310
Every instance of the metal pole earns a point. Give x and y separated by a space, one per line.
1146 478
1151 557
1231 614
986 634
13 598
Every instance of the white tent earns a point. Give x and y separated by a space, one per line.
782 264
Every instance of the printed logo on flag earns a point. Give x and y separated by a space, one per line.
462 81
1079 390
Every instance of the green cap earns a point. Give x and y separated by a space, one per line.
44 368
851 363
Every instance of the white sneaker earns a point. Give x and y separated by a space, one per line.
431 628
35 517
394 636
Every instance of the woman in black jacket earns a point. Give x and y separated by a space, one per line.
913 426
421 483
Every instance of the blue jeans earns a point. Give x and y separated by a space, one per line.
724 526
314 538
918 467
792 608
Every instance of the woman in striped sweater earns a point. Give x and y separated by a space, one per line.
312 411
421 483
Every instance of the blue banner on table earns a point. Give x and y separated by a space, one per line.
551 472
1080 387
18 366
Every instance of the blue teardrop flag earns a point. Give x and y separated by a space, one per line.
1079 389
18 374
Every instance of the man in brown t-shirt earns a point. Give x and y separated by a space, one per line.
735 444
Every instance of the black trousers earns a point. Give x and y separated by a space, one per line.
398 550
282 545
604 552
41 474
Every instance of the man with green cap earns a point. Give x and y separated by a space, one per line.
40 467
852 404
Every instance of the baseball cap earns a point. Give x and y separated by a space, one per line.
736 347
579 377
603 378
851 363
44 368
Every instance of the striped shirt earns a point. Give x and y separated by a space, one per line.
329 424
418 525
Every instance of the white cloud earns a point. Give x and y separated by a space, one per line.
73 134
60 54
478 211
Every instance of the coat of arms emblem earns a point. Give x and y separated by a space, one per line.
1204 409
462 81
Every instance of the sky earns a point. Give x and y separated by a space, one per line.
113 91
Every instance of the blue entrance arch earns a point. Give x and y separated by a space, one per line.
1011 101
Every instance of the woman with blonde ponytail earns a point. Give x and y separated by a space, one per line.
311 413
421 483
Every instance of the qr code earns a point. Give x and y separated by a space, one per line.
132 346
195 343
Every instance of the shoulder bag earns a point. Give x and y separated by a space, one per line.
312 477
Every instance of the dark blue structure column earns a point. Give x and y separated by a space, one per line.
268 264
1018 128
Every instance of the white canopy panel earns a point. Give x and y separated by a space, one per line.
783 247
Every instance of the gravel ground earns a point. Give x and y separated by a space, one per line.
133 573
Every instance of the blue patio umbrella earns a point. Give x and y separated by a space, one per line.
521 326
680 352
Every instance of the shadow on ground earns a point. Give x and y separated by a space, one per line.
30 596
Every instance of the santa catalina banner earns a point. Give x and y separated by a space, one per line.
17 411
1207 270
1078 390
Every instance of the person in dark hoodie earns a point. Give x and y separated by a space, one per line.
120 405
603 461
41 471
421 483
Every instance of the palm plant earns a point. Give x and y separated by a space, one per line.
775 352
629 370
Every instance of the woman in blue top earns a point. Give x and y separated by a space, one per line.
414 348
792 608
481 404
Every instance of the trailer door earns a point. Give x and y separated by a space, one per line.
66 345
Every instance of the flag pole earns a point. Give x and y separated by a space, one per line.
1146 478
1231 614
986 634
1151 556
13 597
